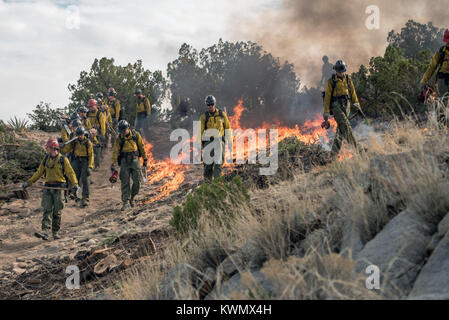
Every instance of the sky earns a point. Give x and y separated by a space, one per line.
45 44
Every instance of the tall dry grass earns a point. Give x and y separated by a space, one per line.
294 236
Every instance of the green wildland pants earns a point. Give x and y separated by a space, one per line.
214 170
443 91
97 155
80 165
344 130
130 168
52 203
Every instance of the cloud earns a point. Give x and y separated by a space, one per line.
42 49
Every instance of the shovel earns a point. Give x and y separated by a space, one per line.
24 195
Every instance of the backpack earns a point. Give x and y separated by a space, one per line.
122 143
86 145
334 84
207 116
61 161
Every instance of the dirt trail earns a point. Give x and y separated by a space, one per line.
82 229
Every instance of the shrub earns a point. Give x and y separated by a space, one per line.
216 200
45 118
18 124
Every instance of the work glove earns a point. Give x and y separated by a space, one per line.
325 116
25 185
89 172
326 124
145 162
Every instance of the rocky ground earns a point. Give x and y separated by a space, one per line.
99 236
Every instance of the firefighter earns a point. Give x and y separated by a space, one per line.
440 64
83 161
339 95
103 107
97 148
214 118
128 148
326 72
98 120
143 111
56 168
67 131
114 109
85 121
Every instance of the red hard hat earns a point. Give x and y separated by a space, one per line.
52 143
92 103
446 36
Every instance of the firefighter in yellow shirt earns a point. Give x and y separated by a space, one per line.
85 121
56 168
114 109
98 120
340 92
83 161
214 118
440 64
128 148
143 111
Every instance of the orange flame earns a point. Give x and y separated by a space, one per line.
172 175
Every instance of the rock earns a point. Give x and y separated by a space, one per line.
256 281
443 226
92 242
253 255
398 250
315 241
430 297
18 259
433 243
351 243
18 270
178 283
103 230
434 276
225 289
230 266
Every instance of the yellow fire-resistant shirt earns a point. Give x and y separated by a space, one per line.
341 89
53 171
82 149
143 106
434 63
86 123
114 108
65 136
98 121
129 145
215 121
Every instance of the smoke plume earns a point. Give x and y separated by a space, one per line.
302 31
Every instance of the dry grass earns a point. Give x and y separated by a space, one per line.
294 237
